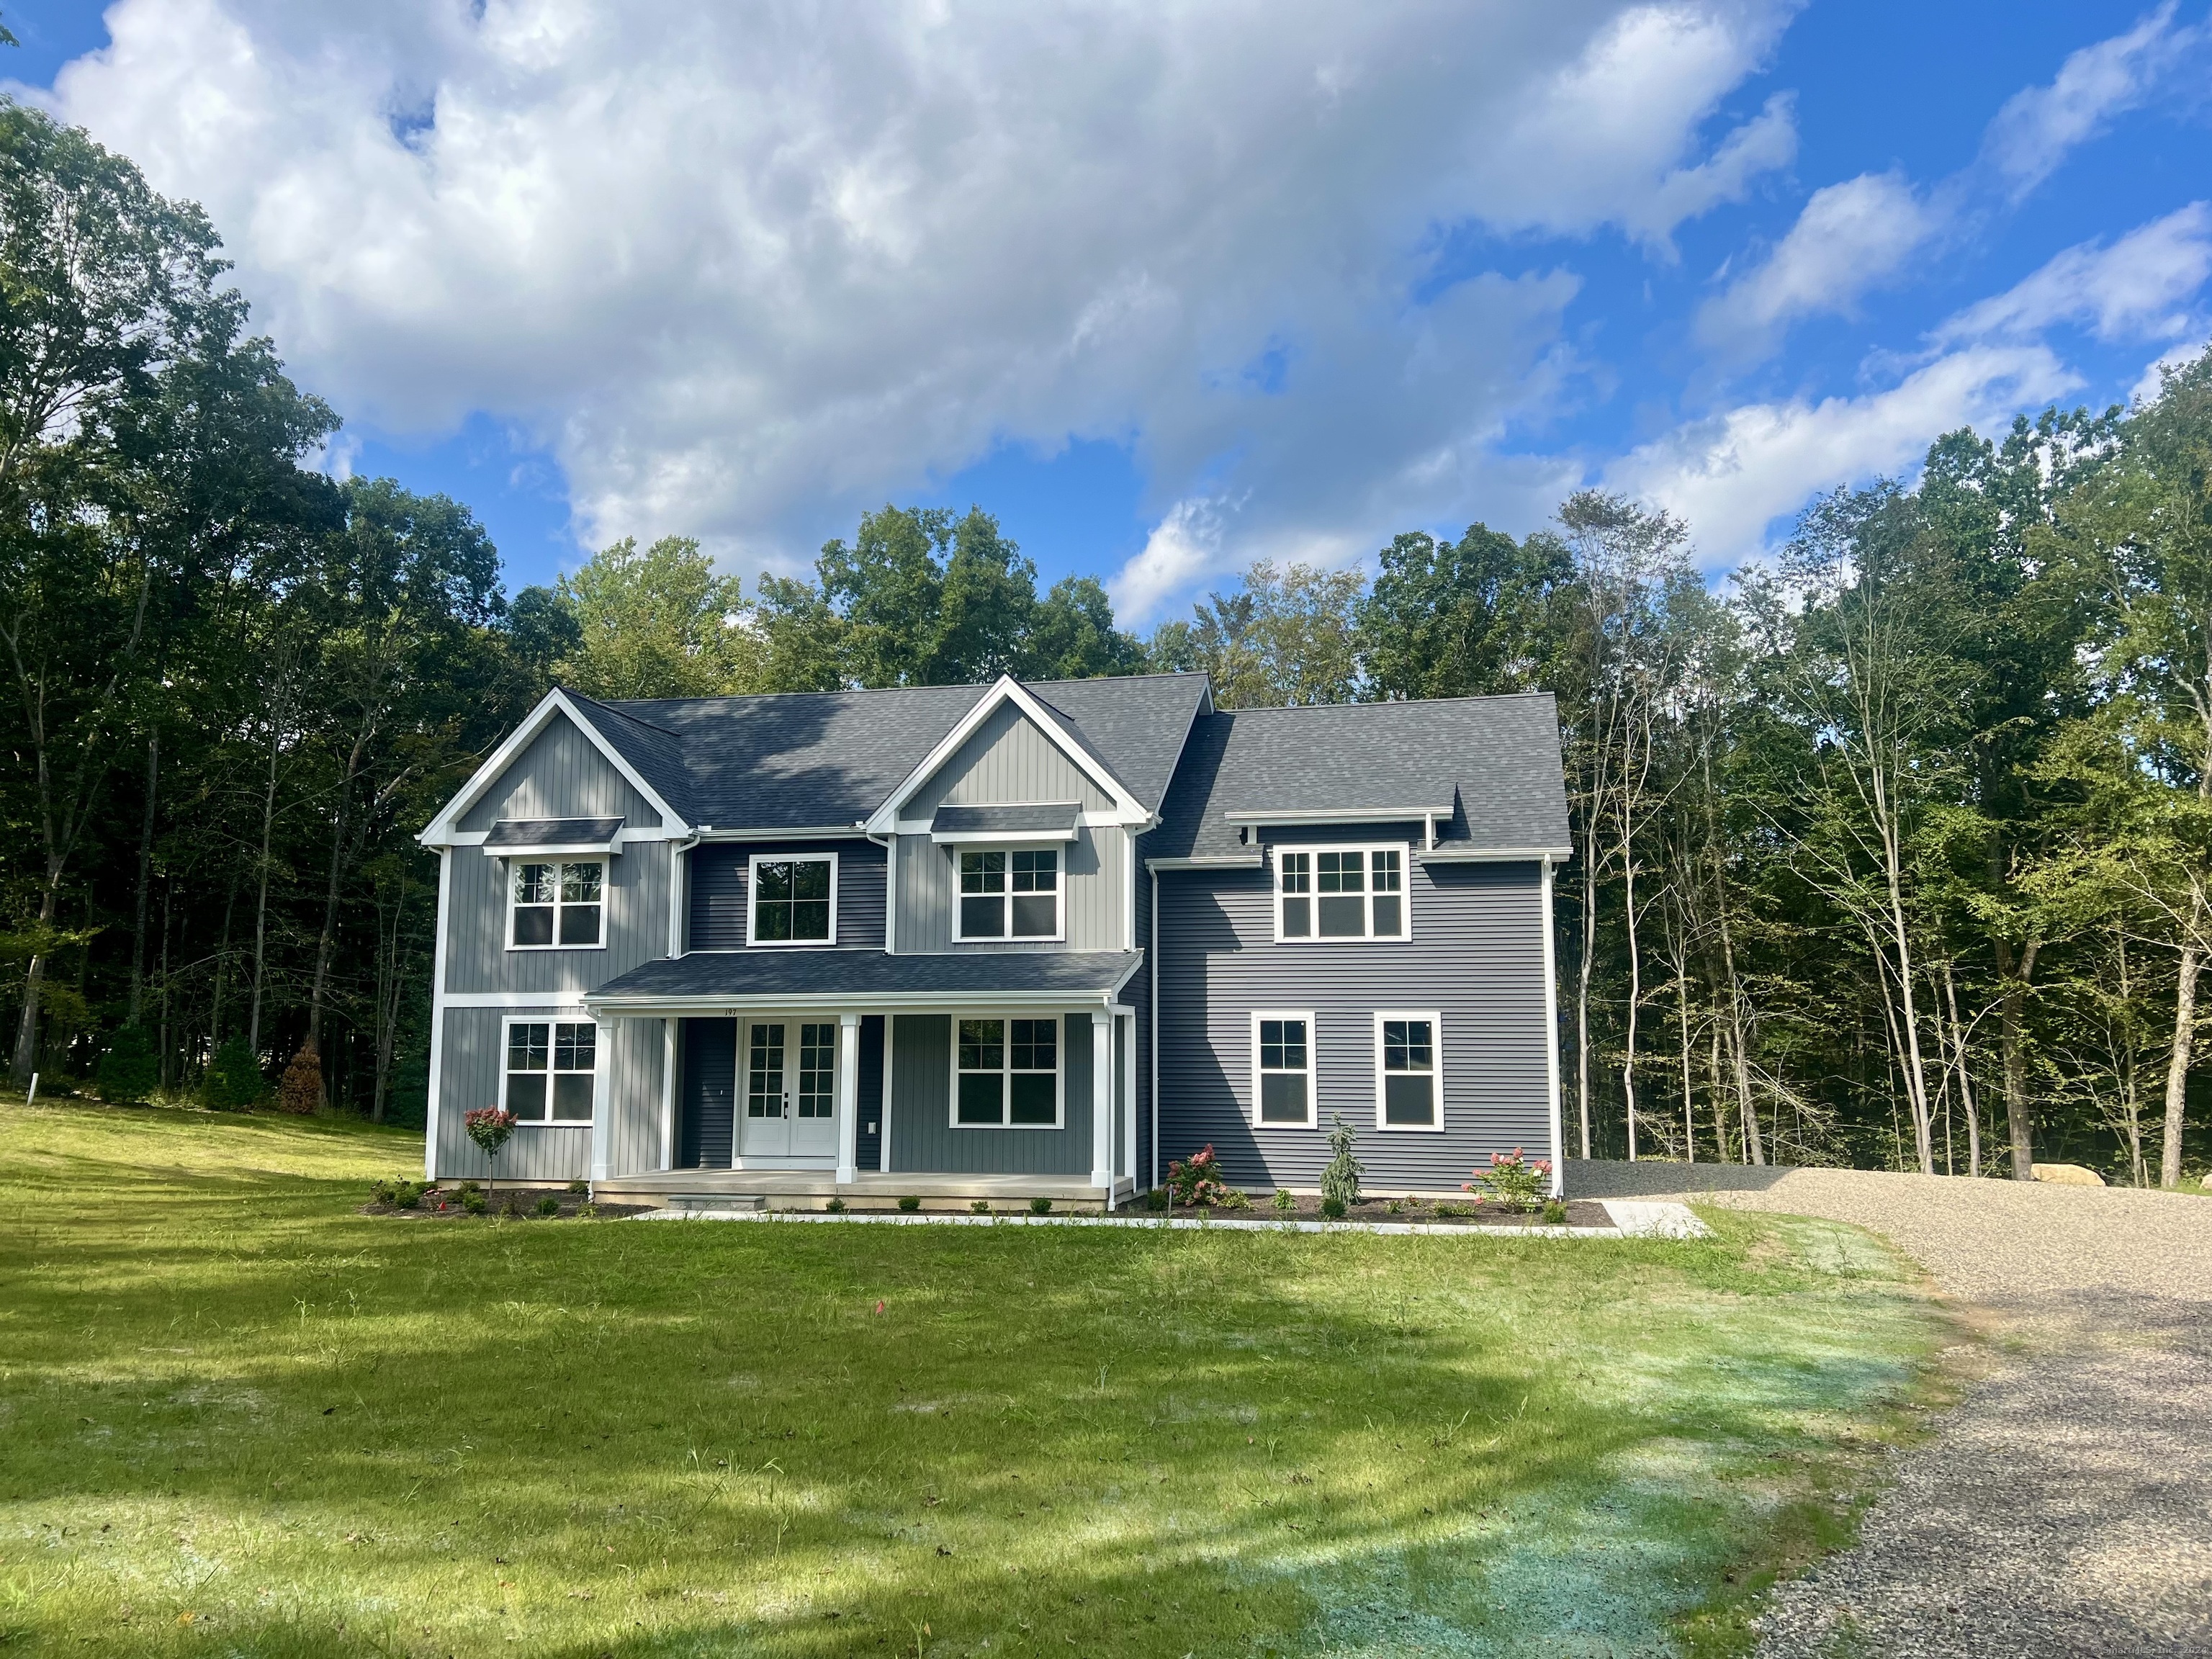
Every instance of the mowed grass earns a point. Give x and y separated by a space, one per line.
238 1416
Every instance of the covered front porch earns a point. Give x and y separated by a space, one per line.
790 1080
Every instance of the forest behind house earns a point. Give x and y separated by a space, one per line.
1892 850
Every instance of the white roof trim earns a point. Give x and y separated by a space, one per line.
1497 855
1007 688
442 829
1342 815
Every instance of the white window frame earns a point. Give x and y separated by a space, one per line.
1436 1071
753 863
1059 1022
1057 936
1312 895
514 864
1312 1069
564 1016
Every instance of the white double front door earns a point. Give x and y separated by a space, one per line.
787 1088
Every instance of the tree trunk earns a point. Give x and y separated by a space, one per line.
1965 1075
34 979
1689 1099
2014 974
261 903
2185 1040
145 878
1713 1084
1635 979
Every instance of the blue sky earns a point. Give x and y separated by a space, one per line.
1168 293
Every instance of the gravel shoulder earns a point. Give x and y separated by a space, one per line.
2062 1507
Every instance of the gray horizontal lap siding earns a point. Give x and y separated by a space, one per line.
1476 957
923 1139
718 891
1094 874
629 1057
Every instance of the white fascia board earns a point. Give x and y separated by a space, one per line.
442 829
852 831
1497 855
1073 1002
1344 815
1007 688
995 837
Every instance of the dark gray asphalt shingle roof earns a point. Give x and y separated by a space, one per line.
1494 760
872 973
1057 818
552 832
817 758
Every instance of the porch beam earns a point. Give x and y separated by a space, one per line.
1101 1098
848 1099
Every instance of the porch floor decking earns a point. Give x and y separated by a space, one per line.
871 1187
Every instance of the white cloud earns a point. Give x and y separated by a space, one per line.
2038 125
2137 289
739 269
1851 238
2152 382
1732 476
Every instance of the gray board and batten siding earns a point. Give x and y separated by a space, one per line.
561 775
629 1057
632 919
1476 959
1094 885
923 1139
719 871
1006 761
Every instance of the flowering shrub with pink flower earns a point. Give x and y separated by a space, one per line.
1512 1182
1196 1183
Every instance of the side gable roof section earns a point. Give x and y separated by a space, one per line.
443 830
1128 809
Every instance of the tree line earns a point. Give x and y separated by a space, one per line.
1891 850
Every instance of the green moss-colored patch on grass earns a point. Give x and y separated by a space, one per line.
239 1417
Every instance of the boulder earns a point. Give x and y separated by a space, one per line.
2068 1175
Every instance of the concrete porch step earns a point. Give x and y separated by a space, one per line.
718 1203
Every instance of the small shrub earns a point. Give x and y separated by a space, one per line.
472 1200
580 1189
1040 1206
1156 1198
835 1205
1393 1206
588 1211
909 1202
1196 1182
300 1091
1340 1181
980 1206
128 1070
1555 1214
1332 1209
549 1205
513 1207
468 1186
1284 1201
1511 1183
1446 1207
400 1195
233 1082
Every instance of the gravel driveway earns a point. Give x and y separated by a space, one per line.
2064 1506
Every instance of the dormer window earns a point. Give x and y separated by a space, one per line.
795 898
1011 893
556 904
1341 893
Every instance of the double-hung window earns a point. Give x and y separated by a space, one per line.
1006 1073
1283 1071
1409 1074
550 1064
555 903
795 898
1010 894
1341 893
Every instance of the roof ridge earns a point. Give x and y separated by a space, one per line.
1388 702
616 708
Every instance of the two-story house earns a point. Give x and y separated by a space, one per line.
1000 942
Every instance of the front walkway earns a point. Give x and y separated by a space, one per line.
2061 1508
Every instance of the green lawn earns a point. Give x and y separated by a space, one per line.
237 1417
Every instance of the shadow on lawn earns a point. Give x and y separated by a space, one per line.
586 1434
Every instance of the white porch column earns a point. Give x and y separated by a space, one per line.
668 1092
1125 1022
848 1099
1102 1099
603 1100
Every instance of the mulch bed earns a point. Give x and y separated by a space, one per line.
1430 1212
444 1204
